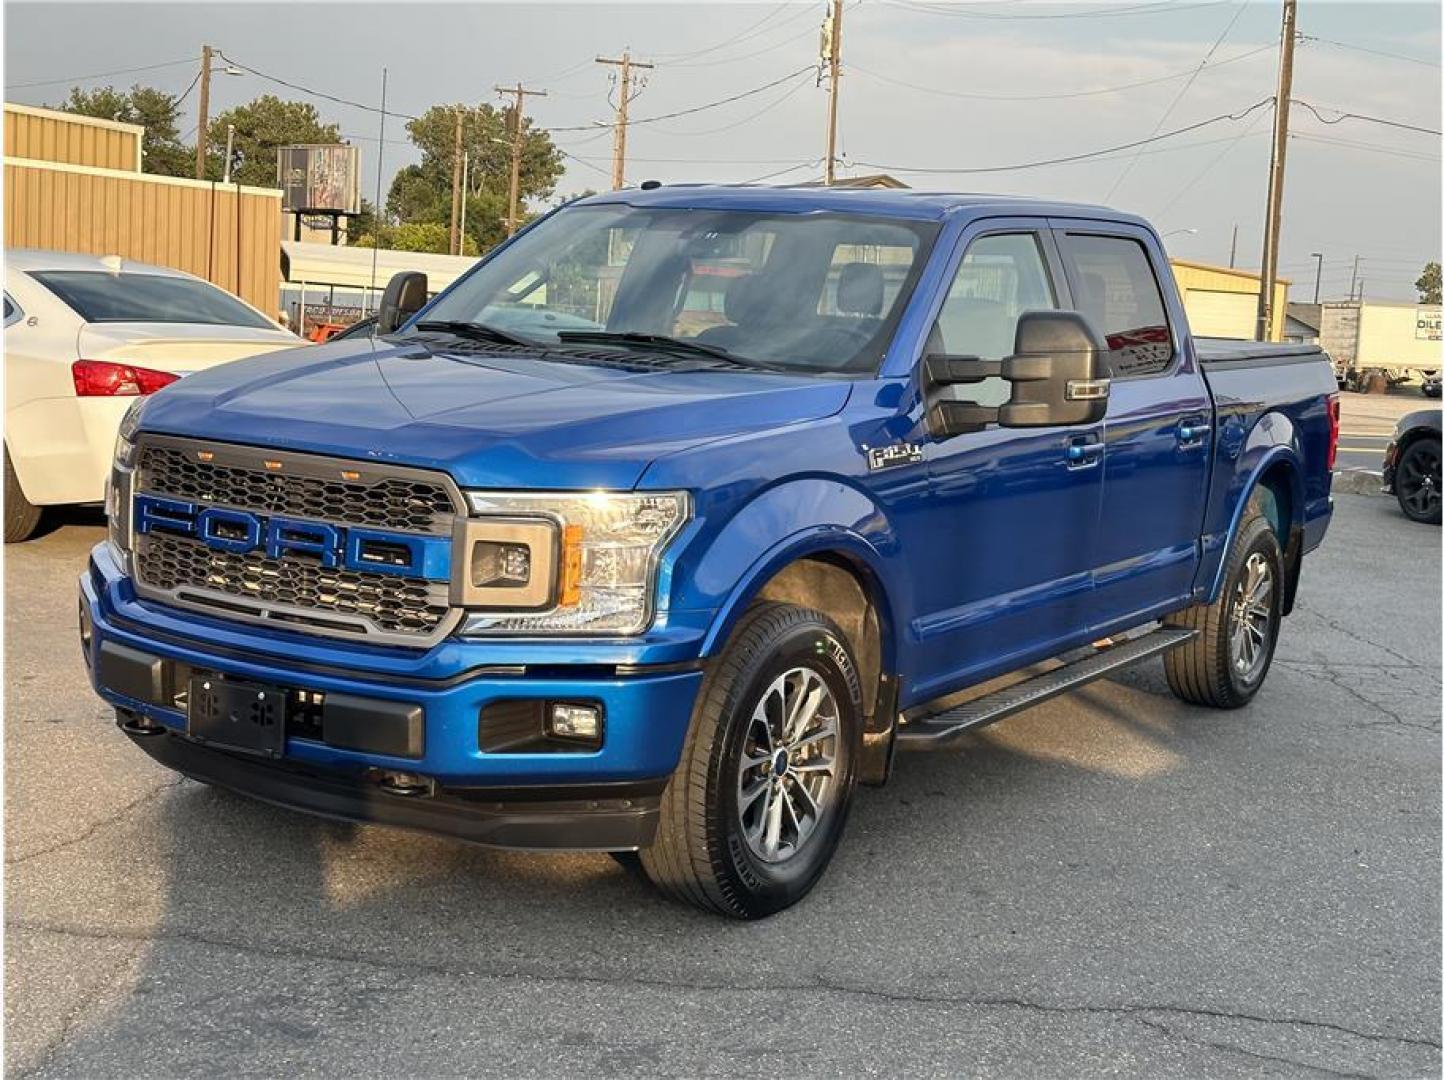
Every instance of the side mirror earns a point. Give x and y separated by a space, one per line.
405 295
1056 372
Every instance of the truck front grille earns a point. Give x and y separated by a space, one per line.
293 587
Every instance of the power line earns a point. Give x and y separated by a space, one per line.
741 35
1058 96
1321 118
100 75
187 91
814 163
753 52
791 92
1078 157
1177 98
690 111
1212 163
313 92
1154 8
1374 148
1372 52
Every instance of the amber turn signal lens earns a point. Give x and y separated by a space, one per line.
570 593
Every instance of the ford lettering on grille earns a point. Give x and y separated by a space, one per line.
241 532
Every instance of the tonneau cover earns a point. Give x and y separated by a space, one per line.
1224 350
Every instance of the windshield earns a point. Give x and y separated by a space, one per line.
815 292
98 296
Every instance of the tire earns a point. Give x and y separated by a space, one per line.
716 847
22 517
1211 669
1416 481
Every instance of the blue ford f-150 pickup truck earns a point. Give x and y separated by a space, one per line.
661 529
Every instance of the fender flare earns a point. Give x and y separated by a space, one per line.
1279 452
813 540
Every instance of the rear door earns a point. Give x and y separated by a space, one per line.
1157 436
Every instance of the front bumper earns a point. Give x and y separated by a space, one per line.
572 799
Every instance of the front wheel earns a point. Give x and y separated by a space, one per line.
1225 665
1416 481
752 815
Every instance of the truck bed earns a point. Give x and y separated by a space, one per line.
1232 352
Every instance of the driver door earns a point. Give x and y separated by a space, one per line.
1004 558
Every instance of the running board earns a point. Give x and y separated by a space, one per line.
928 731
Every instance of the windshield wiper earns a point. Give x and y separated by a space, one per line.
476 331
659 343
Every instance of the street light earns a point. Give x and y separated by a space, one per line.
1318 273
1180 232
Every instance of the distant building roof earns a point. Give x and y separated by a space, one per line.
876 180
1309 315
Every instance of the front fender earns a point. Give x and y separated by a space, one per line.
786 522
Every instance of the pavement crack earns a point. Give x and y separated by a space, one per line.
1134 1010
1230 1048
100 823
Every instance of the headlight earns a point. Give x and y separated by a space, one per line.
125 437
582 564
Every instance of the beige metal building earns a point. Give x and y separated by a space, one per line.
90 196
48 135
1223 302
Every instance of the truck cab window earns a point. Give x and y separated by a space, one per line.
1001 276
1118 291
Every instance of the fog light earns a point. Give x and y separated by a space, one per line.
575 722
500 565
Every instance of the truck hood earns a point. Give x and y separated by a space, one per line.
502 421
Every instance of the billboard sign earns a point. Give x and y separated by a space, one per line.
319 178
1427 324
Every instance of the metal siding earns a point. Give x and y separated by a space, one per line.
150 220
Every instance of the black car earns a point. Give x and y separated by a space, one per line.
1430 386
1411 466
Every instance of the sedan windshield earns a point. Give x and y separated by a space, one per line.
812 292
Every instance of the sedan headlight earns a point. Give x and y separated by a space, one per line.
581 564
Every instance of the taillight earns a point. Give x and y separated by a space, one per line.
1333 429
102 378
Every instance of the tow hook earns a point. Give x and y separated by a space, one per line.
133 723
407 785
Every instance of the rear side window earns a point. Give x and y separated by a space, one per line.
101 297
1116 288
12 313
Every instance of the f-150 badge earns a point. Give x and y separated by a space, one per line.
887 457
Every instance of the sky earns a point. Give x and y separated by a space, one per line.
930 89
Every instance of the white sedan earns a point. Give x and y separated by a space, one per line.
83 336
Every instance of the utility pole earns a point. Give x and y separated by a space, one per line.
619 129
456 185
519 94
465 192
832 40
1233 248
230 152
1318 273
1354 278
1276 171
204 118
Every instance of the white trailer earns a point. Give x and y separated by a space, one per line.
1371 340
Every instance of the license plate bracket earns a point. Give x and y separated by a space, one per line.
236 715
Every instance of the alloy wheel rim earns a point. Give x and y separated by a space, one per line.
787 769
1251 618
1419 482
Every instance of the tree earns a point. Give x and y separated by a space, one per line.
1429 284
261 127
422 193
427 236
162 150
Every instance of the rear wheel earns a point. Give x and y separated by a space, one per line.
1226 664
22 517
752 815
1416 481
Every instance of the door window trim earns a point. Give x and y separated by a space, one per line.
1063 229
15 314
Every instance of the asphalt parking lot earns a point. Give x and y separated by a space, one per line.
1110 884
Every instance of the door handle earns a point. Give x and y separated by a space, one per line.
1084 452
1192 431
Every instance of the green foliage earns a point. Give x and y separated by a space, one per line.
261 126
157 111
422 193
425 236
1429 284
